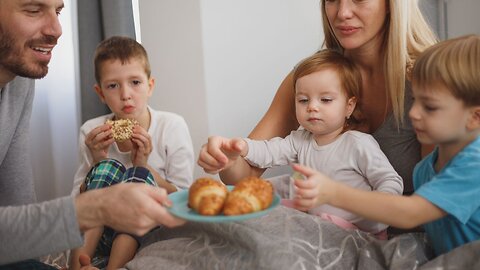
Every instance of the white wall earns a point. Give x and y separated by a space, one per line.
219 62
462 17
54 123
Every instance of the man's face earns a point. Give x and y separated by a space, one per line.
29 31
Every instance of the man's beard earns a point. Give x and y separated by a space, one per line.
11 58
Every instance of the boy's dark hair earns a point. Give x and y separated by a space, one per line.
348 73
453 63
119 48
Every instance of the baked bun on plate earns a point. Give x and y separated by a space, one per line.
206 196
249 195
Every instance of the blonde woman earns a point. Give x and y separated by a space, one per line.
383 38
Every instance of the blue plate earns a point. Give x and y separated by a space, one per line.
180 209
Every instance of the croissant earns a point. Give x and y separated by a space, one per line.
206 196
249 195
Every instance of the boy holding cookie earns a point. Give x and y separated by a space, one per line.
132 144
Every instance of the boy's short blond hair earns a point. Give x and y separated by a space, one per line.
120 48
454 63
348 73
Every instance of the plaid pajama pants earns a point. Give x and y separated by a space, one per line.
107 173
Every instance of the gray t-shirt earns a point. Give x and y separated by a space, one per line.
400 145
27 229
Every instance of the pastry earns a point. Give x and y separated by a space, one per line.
249 195
122 128
206 196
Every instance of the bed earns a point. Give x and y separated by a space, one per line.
289 239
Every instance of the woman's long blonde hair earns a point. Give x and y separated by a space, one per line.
407 34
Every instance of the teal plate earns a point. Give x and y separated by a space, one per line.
180 209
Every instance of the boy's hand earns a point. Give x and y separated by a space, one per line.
316 190
98 140
142 146
220 153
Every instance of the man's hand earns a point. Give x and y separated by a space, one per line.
127 207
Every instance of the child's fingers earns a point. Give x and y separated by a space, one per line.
214 148
308 183
98 134
237 145
139 144
142 142
303 204
105 143
207 161
309 194
139 130
307 171
208 168
144 136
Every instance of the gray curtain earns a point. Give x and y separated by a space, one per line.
434 12
97 20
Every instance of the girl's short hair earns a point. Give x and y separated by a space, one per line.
454 63
120 48
348 73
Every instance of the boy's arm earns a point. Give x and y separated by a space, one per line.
396 210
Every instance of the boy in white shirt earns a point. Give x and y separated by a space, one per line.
159 152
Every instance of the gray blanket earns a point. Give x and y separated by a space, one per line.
287 239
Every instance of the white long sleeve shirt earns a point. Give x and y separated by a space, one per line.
354 159
172 150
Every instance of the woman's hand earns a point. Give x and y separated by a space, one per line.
315 190
141 146
220 153
98 141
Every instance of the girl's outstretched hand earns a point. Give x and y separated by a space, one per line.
220 153
315 190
